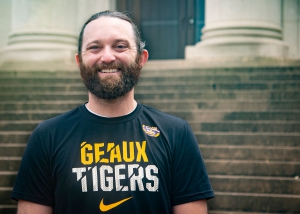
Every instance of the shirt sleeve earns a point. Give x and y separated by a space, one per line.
34 180
190 180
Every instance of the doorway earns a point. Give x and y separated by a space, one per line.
166 26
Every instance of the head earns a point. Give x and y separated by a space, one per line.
110 54
114 14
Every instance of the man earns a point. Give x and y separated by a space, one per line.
112 154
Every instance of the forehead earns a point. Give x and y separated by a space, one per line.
108 28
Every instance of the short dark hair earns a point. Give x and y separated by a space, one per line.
115 14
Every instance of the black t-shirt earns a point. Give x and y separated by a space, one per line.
144 162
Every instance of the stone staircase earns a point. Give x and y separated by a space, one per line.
247 122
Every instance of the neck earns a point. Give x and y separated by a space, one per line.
112 108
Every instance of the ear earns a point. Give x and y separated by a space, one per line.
77 59
144 57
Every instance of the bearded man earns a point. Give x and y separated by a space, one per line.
112 154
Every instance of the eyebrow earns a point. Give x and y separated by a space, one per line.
92 42
122 40
115 41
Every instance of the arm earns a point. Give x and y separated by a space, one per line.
194 207
26 207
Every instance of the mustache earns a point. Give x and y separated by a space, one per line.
113 65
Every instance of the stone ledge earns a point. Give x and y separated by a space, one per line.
216 62
176 64
55 66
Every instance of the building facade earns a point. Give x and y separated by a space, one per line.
37 35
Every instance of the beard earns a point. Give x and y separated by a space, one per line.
110 87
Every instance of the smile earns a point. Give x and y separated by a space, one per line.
109 70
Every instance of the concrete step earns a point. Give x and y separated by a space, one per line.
47 87
220 86
231 115
14 137
40 105
288 115
222 77
8 209
236 96
284 86
225 126
7 178
204 76
256 184
218 182
39 80
237 152
231 201
18 125
8 206
194 104
252 167
5 193
173 76
191 115
252 95
10 163
229 71
251 152
151 71
242 138
42 74
255 203
82 96
164 105
144 86
208 138
248 126
28 115
214 167
238 212
10 149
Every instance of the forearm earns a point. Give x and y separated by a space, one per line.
194 207
26 207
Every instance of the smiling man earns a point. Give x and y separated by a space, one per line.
112 154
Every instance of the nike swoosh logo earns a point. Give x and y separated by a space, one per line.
105 208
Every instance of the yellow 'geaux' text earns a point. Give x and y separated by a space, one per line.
111 153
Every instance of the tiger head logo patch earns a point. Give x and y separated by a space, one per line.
151 131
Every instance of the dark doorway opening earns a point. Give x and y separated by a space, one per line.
166 26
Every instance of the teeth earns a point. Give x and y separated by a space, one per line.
109 70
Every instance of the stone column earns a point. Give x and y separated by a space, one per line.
44 33
291 27
241 29
5 17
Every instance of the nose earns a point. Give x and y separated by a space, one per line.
107 55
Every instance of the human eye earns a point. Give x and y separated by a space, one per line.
121 47
93 47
